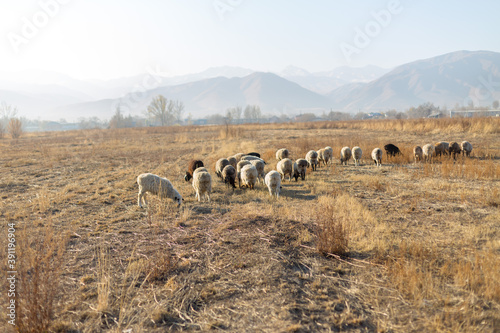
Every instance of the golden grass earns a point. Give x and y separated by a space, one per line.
39 268
419 241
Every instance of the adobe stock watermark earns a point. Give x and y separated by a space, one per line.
138 93
373 28
11 273
223 6
31 27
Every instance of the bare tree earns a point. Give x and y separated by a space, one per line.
177 110
167 112
252 113
158 109
7 112
15 128
235 113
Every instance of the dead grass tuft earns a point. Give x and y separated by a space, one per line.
40 261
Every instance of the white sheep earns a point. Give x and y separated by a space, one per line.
240 166
259 165
282 154
285 167
377 156
356 155
312 158
273 182
428 152
345 155
321 156
249 176
466 148
252 158
156 185
238 156
202 184
328 154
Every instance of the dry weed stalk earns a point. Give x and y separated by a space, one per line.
332 233
40 261
103 277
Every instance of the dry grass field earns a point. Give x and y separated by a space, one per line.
405 247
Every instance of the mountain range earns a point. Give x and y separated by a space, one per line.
461 77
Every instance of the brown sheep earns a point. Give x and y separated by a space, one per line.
193 165
418 153
454 149
441 148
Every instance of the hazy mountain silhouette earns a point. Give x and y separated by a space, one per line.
458 77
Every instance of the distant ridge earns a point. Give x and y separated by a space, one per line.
455 78
462 77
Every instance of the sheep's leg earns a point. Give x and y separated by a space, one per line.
139 199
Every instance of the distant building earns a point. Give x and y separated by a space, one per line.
475 113
373 115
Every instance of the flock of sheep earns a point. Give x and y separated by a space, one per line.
248 169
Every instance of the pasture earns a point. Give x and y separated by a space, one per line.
405 247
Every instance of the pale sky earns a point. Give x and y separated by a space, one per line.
110 38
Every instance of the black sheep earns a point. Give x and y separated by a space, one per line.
253 154
391 150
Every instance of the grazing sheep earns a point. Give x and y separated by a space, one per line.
238 156
202 184
249 176
418 153
254 154
282 154
156 185
321 156
440 148
259 165
312 158
454 149
239 166
377 156
219 166
356 155
229 176
466 148
328 155
285 167
199 170
391 150
232 160
345 155
273 182
193 165
428 152
252 158
299 169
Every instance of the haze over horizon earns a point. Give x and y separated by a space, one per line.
94 40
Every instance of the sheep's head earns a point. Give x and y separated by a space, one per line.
187 177
178 199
